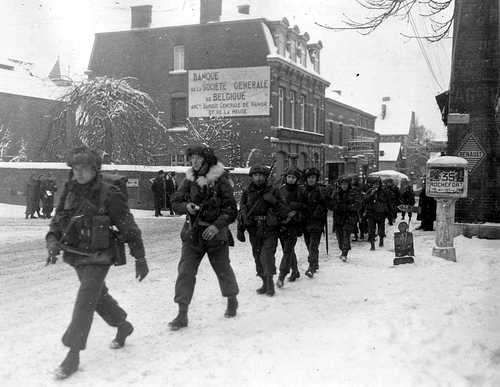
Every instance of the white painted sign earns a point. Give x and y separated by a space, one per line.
133 183
229 92
457 118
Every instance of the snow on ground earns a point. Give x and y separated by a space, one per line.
361 323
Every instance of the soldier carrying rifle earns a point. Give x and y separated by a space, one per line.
88 208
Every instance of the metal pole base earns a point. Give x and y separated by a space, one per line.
447 253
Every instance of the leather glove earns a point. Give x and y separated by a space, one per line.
141 268
240 235
210 232
53 249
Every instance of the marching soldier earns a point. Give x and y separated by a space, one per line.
378 206
315 217
88 207
206 197
261 210
293 196
345 206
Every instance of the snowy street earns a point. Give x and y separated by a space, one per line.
360 323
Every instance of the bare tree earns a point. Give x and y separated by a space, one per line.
109 115
220 134
382 10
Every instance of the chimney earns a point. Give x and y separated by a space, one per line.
383 112
244 9
141 16
210 11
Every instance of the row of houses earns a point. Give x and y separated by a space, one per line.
265 75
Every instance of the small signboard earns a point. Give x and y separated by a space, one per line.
360 146
472 151
132 183
446 181
403 245
457 118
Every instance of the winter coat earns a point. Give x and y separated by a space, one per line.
33 195
169 186
427 206
408 196
377 203
84 206
394 195
214 195
261 207
158 186
345 206
316 207
293 197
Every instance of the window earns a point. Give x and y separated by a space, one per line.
179 111
315 116
292 108
178 159
178 58
302 105
281 106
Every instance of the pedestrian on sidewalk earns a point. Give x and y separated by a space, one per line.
158 186
87 209
427 210
207 199
169 190
408 199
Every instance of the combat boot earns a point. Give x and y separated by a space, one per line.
263 288
372 245
69 365
270 286
381 243
279 282
343 257
310 271
232 306
181 320
295 275
125 329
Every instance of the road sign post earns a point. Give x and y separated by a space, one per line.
446 182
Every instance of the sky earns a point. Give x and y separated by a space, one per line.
365 68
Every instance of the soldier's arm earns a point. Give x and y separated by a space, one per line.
121 217
55 226
229 210
179 198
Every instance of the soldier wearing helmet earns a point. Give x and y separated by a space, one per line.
377 208
89 206
345 206
261 210
316 202
206 197
291 227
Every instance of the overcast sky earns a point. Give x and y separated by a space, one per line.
365 68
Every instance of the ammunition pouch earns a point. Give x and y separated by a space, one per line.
100 234
118 249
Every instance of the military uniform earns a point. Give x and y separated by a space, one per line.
378 206
81 228
345 206
211 191
316 207
395 198
291 228
261 210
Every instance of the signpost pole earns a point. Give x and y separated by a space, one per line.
446 181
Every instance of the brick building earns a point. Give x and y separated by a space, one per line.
264 74
351 143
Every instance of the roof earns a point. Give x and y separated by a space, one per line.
391 151
397 118
336 98
20 82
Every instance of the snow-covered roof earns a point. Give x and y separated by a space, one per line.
396 120
391 151
20 82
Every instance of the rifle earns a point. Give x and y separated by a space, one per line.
326 232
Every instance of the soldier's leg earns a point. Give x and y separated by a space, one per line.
256 242
186 273
285 260
346 239
371 231
314 249
267 258
219 260
108 308
307 240
91 284
339 233
293 257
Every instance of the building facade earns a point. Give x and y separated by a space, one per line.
264 75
